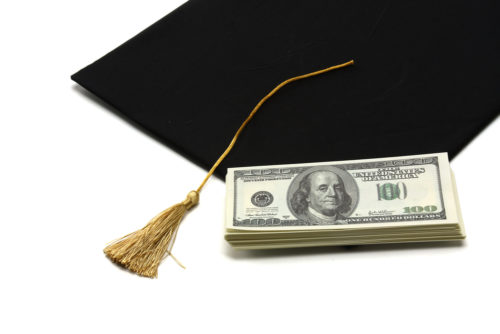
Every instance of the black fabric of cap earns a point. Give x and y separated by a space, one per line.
426 78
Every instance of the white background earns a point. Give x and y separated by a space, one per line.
75 176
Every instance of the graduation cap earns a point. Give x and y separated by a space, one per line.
426 79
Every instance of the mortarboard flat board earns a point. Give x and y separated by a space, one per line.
426 78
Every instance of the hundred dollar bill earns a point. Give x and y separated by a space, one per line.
387 192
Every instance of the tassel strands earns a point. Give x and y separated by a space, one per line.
143 250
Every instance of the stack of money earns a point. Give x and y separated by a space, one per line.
386 200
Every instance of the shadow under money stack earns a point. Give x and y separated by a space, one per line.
387 200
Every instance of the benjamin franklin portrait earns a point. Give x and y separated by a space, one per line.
321 197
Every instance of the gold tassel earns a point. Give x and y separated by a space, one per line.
143 250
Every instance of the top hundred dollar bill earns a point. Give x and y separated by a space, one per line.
408 190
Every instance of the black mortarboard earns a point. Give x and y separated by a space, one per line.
426 78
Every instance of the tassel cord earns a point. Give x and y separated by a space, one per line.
257 107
